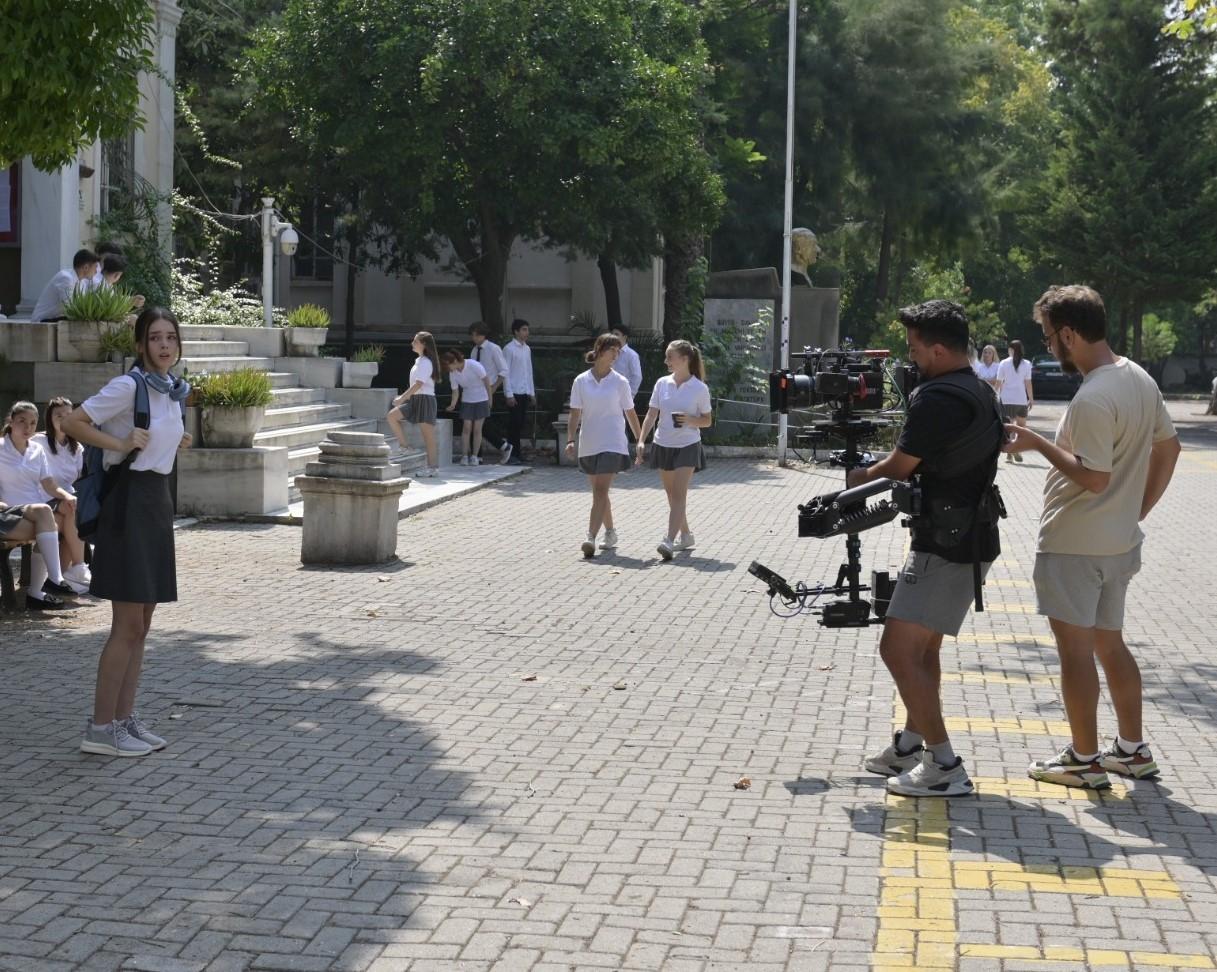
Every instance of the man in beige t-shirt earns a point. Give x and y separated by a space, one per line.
1114 455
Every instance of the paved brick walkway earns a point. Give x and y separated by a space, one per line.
496 755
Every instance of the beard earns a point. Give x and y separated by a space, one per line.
1068 365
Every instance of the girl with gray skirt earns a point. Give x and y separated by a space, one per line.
416 404
469 382
679 410
133 562
600 406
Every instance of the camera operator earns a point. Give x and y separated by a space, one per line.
951 440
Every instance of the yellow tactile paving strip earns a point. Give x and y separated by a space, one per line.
1027 727
1088 957
1029 789
1115 882
997 678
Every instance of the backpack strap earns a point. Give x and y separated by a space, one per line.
143 410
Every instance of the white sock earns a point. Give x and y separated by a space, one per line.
104 727
37 575
1128 746
909 740
1085 757
943 753
48 546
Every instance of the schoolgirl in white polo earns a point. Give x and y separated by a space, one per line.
601 404
679 410
134 566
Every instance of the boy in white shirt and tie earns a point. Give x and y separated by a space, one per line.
517 384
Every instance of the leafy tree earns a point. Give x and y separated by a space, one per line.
1132 198
482 122
69 77
1195 14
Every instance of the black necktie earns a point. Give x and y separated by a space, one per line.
477 354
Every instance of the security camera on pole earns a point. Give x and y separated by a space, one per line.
787 216
273 227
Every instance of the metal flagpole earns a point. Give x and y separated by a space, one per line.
788 216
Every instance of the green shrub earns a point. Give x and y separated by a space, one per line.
233 306
370 352
245 388
309 315
120 339
98 304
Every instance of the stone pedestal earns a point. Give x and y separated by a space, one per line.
231 482
350 501
443 439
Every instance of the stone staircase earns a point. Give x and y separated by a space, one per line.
299 418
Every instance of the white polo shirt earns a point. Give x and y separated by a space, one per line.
490 356
21 474
423 371
519 369
55 295
470 380
692 398
65 465
113 411
629 364
1014 382
602 406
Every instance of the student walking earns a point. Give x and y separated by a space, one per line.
490 356
469 381
134 565
986 366
679 410
628 363
1014 390
416 404
517 385
600 407
66 459
25 484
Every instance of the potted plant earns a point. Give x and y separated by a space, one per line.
363 366
233 405
306 329
118 343
88 314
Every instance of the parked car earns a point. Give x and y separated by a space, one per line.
1050 380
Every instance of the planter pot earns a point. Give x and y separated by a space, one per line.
81 340
304 342
359 374
229 427
116 357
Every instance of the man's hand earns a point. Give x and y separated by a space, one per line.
187 439
511 402
1019 438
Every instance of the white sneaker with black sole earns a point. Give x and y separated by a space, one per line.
895 759
928 779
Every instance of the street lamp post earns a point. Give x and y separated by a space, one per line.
787 215
272 228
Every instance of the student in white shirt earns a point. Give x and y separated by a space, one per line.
469 382
66 459
63 285
628 363
416 404
134 565
986 366
600 407
113 266
25 484
1014 390
679 410
490 356
517 385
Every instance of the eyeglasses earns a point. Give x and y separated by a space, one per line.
1051 334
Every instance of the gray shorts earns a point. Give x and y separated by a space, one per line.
933 592
1013 411
1085 591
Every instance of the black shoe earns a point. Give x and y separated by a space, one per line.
50 587
47 603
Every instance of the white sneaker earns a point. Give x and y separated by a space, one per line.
464 461
589 546
506 456
610 539
112 740
685 542
895 759
77 586
423 473
665 548
79 573
928 779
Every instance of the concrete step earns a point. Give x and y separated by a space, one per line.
284 397
214 349
309 435
285 379
298 459
317 413
202 332
226 363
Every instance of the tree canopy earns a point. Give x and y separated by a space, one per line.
69 77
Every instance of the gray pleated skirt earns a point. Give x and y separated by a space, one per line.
133 556
604 462
472 411
666 457
10 519
419 410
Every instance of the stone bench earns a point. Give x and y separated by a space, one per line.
8 584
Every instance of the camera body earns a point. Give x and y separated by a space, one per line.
839 378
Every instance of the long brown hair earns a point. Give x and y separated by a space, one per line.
429 349
148 317
17 408
603 343
49 426
453 356
689 351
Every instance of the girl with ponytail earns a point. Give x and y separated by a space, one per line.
1014 389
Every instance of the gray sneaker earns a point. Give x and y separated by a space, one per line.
665 548
112 740
928 779
138 729
895 759
684 542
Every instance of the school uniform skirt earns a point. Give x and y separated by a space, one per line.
10 518
419 410
669 458
472 411
133 557
604 462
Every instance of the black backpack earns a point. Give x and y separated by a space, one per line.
95 481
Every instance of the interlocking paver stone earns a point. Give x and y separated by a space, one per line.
360 778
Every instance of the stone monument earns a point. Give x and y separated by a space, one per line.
350 497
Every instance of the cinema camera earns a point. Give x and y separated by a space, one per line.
848 382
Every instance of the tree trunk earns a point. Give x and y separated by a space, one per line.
1121 342
884 272
486 262
612 295
679 257
1138 313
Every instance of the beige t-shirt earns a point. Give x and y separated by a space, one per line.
1116 416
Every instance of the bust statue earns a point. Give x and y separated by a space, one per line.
804 251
